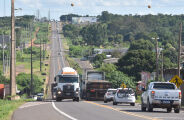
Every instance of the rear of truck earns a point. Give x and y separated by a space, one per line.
95 90
165 95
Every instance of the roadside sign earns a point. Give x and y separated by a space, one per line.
123 85
176 80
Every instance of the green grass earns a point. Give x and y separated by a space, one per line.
7 108
74 65
138 100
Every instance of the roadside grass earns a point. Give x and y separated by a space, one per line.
138 100
73 64
7 108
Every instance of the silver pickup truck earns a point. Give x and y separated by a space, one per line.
161 95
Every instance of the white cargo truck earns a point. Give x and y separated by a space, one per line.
66 85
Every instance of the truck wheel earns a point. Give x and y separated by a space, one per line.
115 103
169 110
58 99
132 104
177 110
143 108
149 106
77 99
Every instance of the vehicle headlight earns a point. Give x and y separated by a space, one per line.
59 92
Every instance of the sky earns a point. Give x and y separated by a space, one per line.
91 7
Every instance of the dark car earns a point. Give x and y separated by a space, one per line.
40 97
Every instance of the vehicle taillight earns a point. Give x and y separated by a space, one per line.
152 94
179 95
92 90
108 94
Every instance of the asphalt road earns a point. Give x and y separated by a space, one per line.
83 110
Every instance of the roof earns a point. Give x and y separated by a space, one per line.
67 71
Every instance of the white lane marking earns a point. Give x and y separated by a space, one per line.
66 115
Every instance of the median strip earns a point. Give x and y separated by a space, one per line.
128 113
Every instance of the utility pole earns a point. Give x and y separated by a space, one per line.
179 49
40 55
156 49
3 56
162 71
179 57
31 89
13 60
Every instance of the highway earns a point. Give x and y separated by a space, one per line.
83 110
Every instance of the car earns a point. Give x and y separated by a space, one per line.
124 95
40 97
109 95
161 95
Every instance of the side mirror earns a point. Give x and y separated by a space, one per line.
55 79
143 89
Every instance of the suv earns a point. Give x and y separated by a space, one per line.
109 95
124 95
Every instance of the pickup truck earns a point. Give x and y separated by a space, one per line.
161 95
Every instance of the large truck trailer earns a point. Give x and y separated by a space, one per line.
94 85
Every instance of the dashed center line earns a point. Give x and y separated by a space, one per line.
128 113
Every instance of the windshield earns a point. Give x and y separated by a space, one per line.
112 91
163 86
126 91
68 79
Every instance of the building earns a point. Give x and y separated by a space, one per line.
84 20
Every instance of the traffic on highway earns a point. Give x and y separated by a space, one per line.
92 60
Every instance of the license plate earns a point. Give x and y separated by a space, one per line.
67 93
166 102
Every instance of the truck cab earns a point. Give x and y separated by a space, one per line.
67 85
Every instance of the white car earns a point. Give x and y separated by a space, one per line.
124 95
161 95
109 95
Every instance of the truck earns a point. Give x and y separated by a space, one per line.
66 85
161 95
93 85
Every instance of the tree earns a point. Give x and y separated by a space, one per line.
23 83
116 77
136 61
95 34
3 79
141 45
99 59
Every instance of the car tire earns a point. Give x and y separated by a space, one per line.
169 110
115 103
105 101
132 104
143 108
58 99
177 110
149 106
